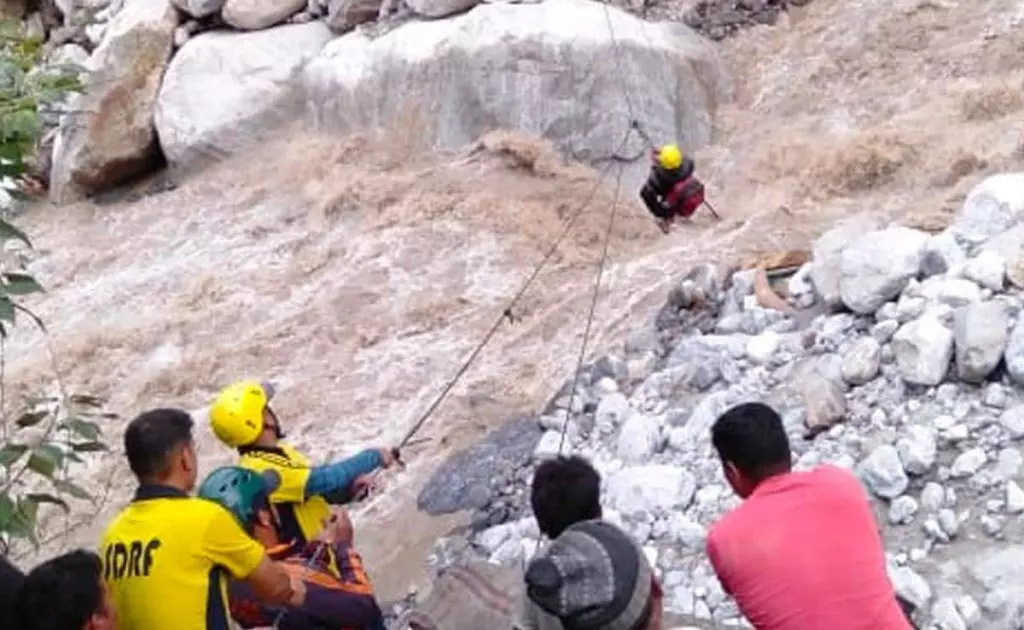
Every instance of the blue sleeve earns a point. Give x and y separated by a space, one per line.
336 478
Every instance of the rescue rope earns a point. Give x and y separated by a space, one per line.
593 305
506 313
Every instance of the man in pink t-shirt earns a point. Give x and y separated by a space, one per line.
803 551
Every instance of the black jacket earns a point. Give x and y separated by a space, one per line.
10 583
660 183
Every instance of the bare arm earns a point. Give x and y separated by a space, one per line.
272 584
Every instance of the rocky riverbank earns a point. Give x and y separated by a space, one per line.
899 354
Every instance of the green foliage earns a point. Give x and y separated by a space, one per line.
43 437
28 92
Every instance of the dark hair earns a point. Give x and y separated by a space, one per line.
565 491
752 438
62 593
152 437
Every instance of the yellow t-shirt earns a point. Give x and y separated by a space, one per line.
307 516
166 559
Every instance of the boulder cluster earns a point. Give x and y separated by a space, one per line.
900 357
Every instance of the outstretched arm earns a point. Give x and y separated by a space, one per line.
334 481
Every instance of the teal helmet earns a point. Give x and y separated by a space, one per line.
240 491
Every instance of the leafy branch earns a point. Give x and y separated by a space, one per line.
45 436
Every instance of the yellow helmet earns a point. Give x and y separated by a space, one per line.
236 416
670 157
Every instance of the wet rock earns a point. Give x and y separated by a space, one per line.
455 485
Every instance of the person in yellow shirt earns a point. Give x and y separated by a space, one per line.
167 556
241 418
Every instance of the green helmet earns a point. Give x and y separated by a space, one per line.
239 490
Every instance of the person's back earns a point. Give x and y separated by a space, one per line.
593 575
11 579
165 557
803 551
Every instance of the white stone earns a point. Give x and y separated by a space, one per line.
223 90
826 255
639 439
987 269
945 616
923 349
877 267
1012 421
861 361
980 333
548 446
942 254
918 450
655 489
933 497
440 8
883 473
910 586
1014 498
902 510
1014 355
951 292
969 462
762 348
992 207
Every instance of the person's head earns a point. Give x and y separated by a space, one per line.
241 415
161 450
565 491
66 593
670 157
594 576
246 495
752 444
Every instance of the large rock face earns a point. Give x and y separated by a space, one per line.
550 69
113 139
223 89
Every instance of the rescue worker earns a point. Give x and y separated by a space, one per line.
167 556
241 418
331 601
65 593
671 190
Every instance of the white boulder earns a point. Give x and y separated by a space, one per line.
992 207
878 266
923 349
223 89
